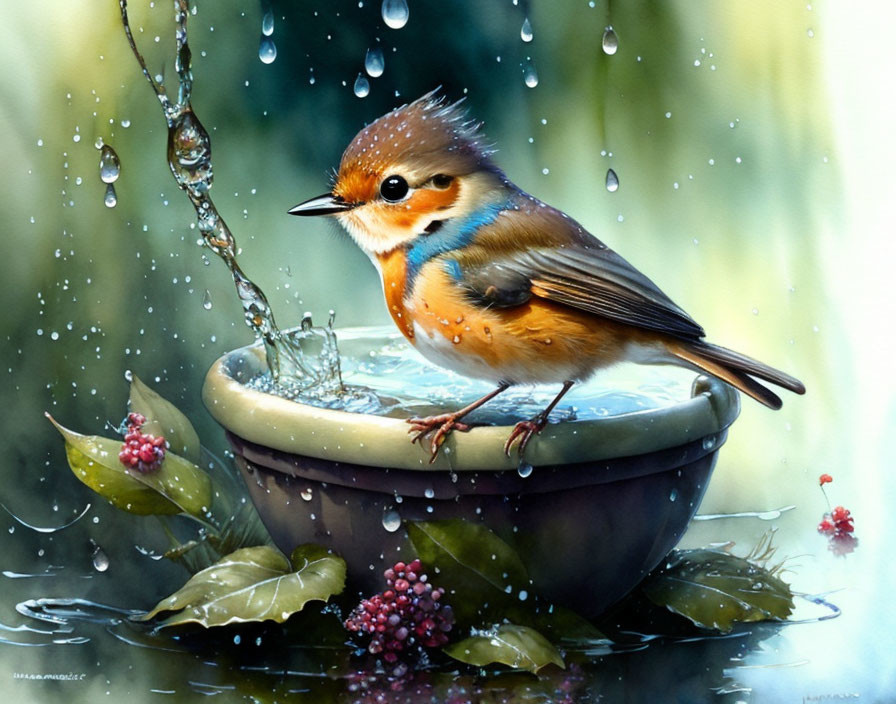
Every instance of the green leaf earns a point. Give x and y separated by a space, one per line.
254 584
715 589
473 563
516 646
178 486
163 418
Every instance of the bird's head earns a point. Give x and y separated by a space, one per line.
407 173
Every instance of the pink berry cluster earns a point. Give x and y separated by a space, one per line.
141 451
409 613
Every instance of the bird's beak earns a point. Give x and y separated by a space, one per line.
327 204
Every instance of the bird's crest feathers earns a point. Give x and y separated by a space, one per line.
420 139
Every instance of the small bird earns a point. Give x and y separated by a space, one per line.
486 280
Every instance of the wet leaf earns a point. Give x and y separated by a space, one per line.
178 486
163 418
254 584
516 646
473 563
716 589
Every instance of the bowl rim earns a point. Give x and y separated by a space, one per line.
380 441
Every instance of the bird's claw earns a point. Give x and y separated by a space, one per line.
524 430
442 424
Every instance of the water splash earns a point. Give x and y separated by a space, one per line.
375 62
189 157
609 42
771 515
612 181
52 529
526 31
395 13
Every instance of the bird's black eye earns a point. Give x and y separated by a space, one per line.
442 180
394 188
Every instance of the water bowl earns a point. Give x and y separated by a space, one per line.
606 491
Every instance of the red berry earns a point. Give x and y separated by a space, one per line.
840 514
825 479
401 585
826 526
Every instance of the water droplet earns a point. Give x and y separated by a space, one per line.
110 165
100 558
306 494
526 31
673 495
207 300
267 50
429 493
524 595
362 86
524 469
395 13
612 181
374 63
111 198
709 442
530 76
267 23
610 42
391 520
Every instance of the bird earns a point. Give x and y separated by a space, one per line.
490 282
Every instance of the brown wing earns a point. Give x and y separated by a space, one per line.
593 279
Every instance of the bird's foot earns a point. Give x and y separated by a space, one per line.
523 431
442 425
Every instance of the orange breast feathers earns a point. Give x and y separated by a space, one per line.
537 342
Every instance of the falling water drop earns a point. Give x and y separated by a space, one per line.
391 520
110 165
526 31
524 469
610 42
306 494
362 86
267 50
99 558
612 181
374 63
530 76
111 198
673 495
207 300
395 13
267 23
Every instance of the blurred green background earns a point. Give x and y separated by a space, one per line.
753 156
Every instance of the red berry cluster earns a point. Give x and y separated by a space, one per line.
836 522
139 451
410 613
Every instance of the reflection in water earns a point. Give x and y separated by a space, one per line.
274 661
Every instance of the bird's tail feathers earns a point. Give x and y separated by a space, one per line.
736 369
